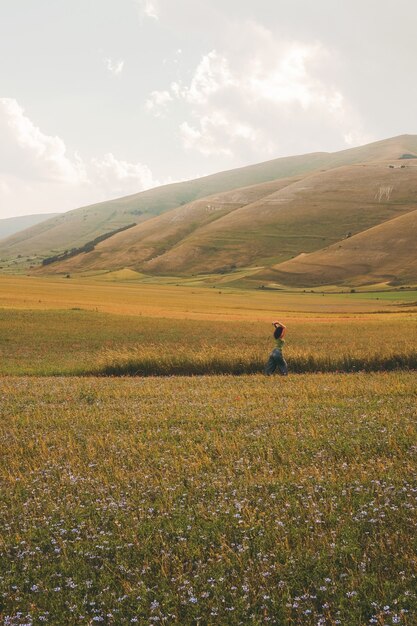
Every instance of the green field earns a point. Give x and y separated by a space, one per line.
79 342
197 500
209 500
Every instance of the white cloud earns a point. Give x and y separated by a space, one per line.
252 98
174 60
120 177
38 175
356 138
212 74
289 81
115 67
208 137
158 101
26 151
149 8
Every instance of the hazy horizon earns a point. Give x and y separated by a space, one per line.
109 99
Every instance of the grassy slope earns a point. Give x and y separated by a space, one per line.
84 224
303 216
386 252
11 225
153 237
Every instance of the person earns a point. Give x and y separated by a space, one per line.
276 360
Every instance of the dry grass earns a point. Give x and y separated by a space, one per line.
183 302
82 342
386 254
209 501
162 360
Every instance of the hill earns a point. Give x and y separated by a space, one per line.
263 225
156 237
304 216
384 253
76 228
11 225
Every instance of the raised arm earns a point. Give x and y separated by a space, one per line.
280 325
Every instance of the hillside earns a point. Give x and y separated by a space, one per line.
11 225
157 237
304 216
76 228
261 225
384 253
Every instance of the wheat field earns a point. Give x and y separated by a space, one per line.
131 493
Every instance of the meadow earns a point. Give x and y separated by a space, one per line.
209 500
77 342
59 327
132 494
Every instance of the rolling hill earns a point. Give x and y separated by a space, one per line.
11 225
383 254
75 228
304 216
265 225
287 211
157 237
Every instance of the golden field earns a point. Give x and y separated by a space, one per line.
209 500
176 300
66 326
137 498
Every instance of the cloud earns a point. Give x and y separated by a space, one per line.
38 175
27 152
118 177
115 67
208 137
149 8
158 101
252 98
212 74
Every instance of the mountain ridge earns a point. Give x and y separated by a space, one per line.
75 228
11 225
327 198
301 216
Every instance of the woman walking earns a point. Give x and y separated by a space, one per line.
276 360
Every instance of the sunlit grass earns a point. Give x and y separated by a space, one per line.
159 360
209 500
85 342
177 301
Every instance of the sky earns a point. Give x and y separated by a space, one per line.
105 98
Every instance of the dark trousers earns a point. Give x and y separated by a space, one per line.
276 360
